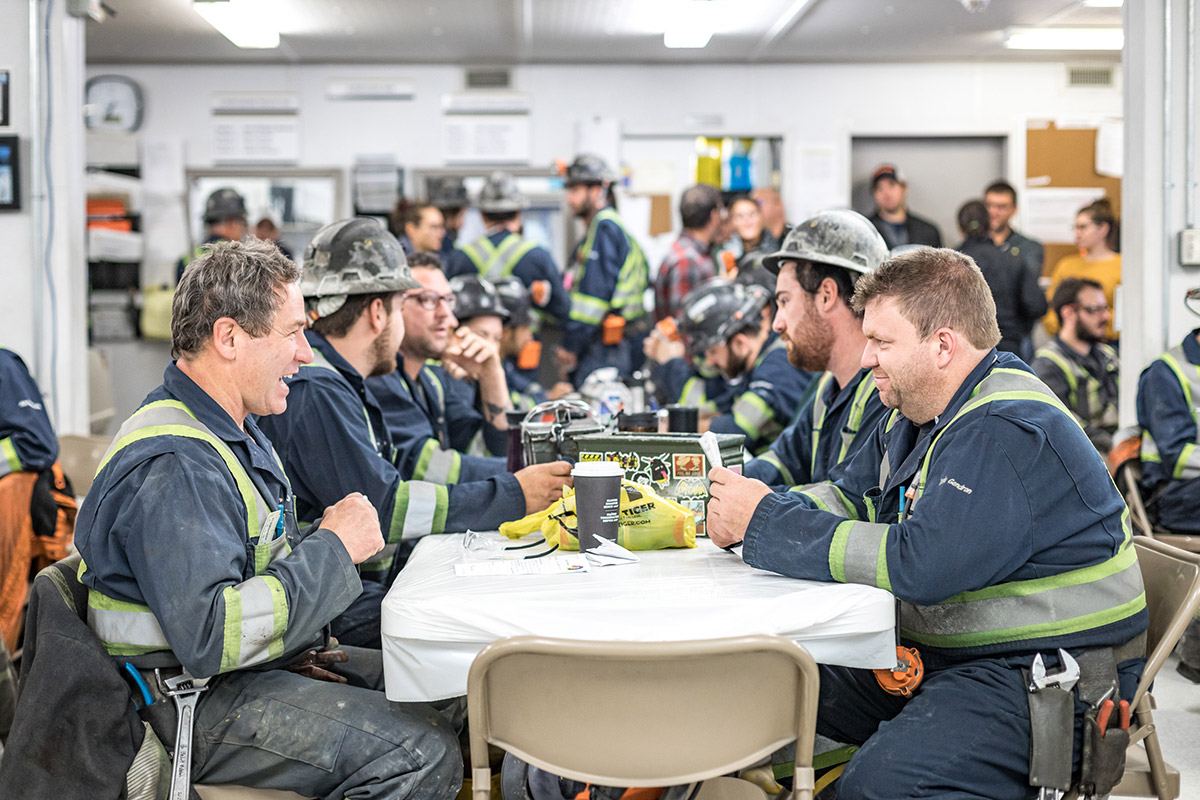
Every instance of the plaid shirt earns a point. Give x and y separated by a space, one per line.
685 267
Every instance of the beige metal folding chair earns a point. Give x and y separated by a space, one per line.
1128 477
241 793
1172 580
80 457
644 713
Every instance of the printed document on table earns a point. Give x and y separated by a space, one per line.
550 565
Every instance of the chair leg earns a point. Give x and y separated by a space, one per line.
1154 755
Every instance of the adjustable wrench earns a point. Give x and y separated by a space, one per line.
1064 679
185 691
1050 763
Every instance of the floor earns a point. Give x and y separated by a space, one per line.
1178 721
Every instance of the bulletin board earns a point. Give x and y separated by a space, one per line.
1065 157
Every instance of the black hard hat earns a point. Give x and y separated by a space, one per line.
839 237
500 196
352 256
751 272
223 204
476 297
448 192
588 168
515 299
716 310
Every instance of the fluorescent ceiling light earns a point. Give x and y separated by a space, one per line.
687 36
244 22
1065 38
691 25
1104 3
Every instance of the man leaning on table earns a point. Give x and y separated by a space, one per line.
982 506
332 438
194 560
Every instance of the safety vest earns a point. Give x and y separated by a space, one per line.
1053 606
858 407
256 610
632 279
495 261
1085 404
419 508
1187 465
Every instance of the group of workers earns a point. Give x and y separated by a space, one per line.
314 424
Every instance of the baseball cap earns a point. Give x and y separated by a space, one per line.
887 172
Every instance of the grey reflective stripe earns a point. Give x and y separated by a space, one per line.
479 251
827 498
498 266
1024 611
321 362
1187 465
885 470
440 463
381 560
422 505
693 393
259 622
861 557
125 626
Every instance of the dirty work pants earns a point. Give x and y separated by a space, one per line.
964 732
280 730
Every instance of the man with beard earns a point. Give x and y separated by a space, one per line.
726 327
1077 365
982 506
606 279
332 438
430 414
817 268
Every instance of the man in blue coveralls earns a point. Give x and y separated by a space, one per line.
982 506
332 437
607 280
194 560
430 414
817 267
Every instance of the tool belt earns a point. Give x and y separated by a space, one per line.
1105 727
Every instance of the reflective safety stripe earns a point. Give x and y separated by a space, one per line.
256 615
828 498
858 409
480 252
320 362
693 393
785 474
255 610
1053 606
506 255
11 462
437 465
381 561
820 410
420 510
587 309
1187 464
1057 605
751 413
628 298
1085 404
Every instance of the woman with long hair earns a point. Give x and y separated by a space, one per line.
1097 235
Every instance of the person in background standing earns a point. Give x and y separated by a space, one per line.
688 263
1097 235
771 206
892 218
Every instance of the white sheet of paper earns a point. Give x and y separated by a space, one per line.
549 565
609 554
1049 212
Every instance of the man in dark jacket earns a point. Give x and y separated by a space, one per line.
892 218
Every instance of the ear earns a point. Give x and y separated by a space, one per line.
827 296
224 336
945 343
377 316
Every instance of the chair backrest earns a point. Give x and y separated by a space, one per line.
643 713
100 392
1172 580
80 456
1128 477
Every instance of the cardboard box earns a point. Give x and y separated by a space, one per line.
671 463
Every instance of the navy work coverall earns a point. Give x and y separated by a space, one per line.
333 442
500 254
27 440
1087 385
432 421
165 538
1015 541
757 404
608 274
1168 399
830 429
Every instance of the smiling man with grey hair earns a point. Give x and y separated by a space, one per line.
195 563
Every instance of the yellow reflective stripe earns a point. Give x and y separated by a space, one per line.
751 413
1188 463
820 409
126 629
1172 360
837 551
693 393
437 383
587 309
863 555
11 459
255 619
776 462
828 498
419 511
1065 367
320 362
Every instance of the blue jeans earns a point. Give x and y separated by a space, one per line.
279 730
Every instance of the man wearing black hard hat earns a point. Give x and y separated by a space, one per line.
892 218
224 220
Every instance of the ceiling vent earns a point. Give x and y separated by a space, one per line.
1090 77
489 79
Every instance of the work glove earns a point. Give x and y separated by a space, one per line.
313 663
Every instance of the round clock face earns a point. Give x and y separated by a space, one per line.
113 103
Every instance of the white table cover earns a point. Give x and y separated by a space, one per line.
434 622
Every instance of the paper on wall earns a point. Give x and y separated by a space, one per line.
1050 212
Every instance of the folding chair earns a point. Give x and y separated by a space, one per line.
1127 474
1172 580
644 713
80 457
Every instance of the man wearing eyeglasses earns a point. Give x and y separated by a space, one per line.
1077 364
432 424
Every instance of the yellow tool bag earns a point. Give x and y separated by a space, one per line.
648 521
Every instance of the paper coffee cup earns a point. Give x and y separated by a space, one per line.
597 501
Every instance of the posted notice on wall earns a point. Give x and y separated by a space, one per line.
486 138
255 140
1049 212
